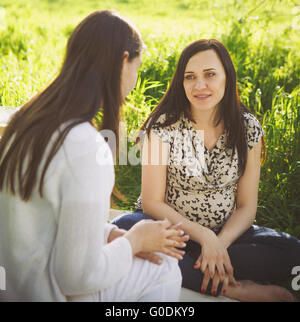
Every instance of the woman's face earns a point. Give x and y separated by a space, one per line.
204 80
129 74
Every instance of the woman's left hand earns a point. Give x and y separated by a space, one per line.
151 257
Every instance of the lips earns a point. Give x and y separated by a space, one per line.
202 96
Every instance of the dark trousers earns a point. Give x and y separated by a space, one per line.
262 255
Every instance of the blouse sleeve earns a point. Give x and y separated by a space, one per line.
254 131
84 262
164 133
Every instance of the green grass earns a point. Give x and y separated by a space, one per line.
262 37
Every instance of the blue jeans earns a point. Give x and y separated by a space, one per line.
260 254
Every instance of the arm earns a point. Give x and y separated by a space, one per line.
84 263
247 193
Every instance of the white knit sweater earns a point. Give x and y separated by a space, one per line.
56 246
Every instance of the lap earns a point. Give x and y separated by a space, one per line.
144 278
259 254
145 281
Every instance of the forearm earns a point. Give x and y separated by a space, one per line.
161 210
240 220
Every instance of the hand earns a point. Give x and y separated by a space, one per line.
157 236
152 257
215 283
214 257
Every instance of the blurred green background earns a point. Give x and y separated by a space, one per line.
261 36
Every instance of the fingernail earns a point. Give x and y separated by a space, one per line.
224 291
159 261
203 290
213 293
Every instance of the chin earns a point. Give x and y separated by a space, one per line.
204 107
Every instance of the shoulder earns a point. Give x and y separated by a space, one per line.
166 130
254 130
85 143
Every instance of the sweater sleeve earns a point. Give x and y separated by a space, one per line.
84 262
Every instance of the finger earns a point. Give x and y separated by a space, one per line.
229 270
176 250
221 270
198 262
174 243
174 232
204 264
177 226
165 223
212 268
233 281
205 281
151 257
185 238
172 253
225 285
215 284
180 238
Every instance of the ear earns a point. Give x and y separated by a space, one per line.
125 56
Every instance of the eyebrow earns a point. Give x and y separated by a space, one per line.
205 70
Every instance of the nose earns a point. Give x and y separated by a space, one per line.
200 84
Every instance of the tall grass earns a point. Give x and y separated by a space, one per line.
261 36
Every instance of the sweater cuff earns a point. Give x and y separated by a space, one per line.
107 229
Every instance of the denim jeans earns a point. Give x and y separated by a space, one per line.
261 254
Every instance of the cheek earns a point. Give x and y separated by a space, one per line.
187 88
223 84
134 76
220 86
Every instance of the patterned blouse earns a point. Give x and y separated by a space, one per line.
202 184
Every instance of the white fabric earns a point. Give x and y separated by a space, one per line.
56 246
146 282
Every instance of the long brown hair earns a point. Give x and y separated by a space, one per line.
89 79
230 110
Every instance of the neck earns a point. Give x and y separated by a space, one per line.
204 119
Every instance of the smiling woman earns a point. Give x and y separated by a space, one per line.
211 184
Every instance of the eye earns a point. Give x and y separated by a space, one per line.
188 77
211 74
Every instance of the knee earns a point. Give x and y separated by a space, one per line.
172 269
126 221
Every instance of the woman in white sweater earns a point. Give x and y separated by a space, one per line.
56 178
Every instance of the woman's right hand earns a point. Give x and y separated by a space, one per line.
214 257
157 236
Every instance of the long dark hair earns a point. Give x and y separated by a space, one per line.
89 79
230 110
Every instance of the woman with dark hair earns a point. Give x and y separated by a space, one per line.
201 165
56 178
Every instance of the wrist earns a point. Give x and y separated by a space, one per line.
224 241
204 234
134 240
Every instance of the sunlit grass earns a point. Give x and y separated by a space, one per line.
263 40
